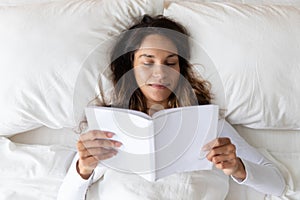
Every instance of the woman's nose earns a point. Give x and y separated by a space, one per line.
159 71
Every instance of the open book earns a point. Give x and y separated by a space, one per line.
168 142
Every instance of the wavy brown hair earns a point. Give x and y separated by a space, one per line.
190 90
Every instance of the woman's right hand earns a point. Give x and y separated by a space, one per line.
92 147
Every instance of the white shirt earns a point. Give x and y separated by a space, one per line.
262 176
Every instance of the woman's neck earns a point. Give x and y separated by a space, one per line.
154 107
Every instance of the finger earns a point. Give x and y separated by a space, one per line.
105 156
216 143
98 143
221 142
80 146
223 158
96 134
227 149
92 161
95 152
230 164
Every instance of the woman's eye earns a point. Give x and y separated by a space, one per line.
170 64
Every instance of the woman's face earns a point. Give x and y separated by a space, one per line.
156 69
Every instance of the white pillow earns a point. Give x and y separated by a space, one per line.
255 50
257 2
43 49
28 161
24 2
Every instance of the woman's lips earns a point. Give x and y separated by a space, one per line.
158 86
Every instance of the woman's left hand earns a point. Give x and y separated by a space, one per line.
222 153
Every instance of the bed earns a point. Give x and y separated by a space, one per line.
52 52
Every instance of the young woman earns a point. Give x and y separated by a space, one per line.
150 72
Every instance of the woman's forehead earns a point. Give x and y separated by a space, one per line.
157 42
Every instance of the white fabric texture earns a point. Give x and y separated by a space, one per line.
283 149
256 2
44 49
24 2
262 175
32 171
255 50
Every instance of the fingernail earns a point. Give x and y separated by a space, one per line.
118 144
109 134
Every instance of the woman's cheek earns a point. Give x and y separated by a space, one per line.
174 81
141 75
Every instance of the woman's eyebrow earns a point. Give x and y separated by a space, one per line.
172 55
146 55
152 56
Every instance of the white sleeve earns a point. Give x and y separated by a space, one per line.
262 174
74 187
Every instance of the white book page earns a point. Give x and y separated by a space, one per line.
134 132
123 110
180 136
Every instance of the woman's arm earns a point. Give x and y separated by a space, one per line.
261 174
74 187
